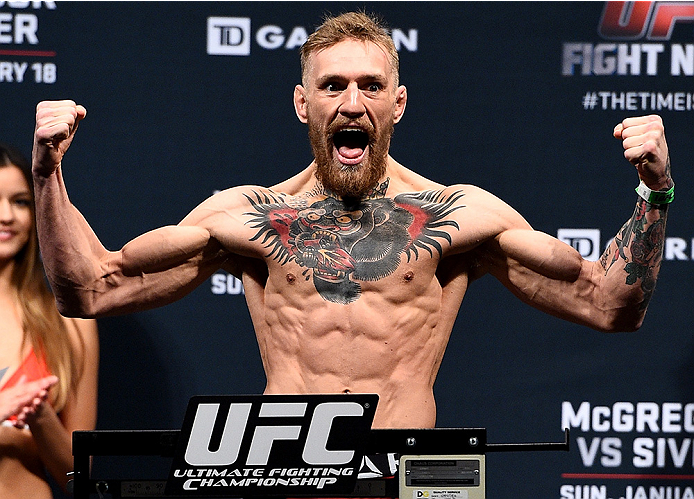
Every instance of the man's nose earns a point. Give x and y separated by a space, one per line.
352 101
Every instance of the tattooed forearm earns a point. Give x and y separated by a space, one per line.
639 245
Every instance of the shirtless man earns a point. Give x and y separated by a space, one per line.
354 269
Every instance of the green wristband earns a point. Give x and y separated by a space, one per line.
656 197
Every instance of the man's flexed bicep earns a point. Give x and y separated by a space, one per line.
536 267
552 276
88 280
546 273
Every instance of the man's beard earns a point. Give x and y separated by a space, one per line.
349 181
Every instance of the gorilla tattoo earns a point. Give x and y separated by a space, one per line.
339 245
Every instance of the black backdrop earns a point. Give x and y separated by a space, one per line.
496 98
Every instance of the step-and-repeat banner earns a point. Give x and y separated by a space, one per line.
187 98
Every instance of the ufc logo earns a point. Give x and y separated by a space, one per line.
236 426
650 20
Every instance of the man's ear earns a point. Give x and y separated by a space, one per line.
400 103
300 103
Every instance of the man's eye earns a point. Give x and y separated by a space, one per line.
375 87
331 87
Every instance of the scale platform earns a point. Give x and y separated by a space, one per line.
292 446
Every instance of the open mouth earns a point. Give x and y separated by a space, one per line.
351 145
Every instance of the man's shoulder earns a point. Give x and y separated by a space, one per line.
475 195
469 191
468 205
231 202
405 180
242 194
238 196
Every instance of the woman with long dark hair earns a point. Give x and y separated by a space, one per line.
36 343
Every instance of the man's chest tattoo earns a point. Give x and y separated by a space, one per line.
339 246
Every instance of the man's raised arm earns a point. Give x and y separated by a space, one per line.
87 279
636 253
613 293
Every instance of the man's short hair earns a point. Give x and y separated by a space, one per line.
355 25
